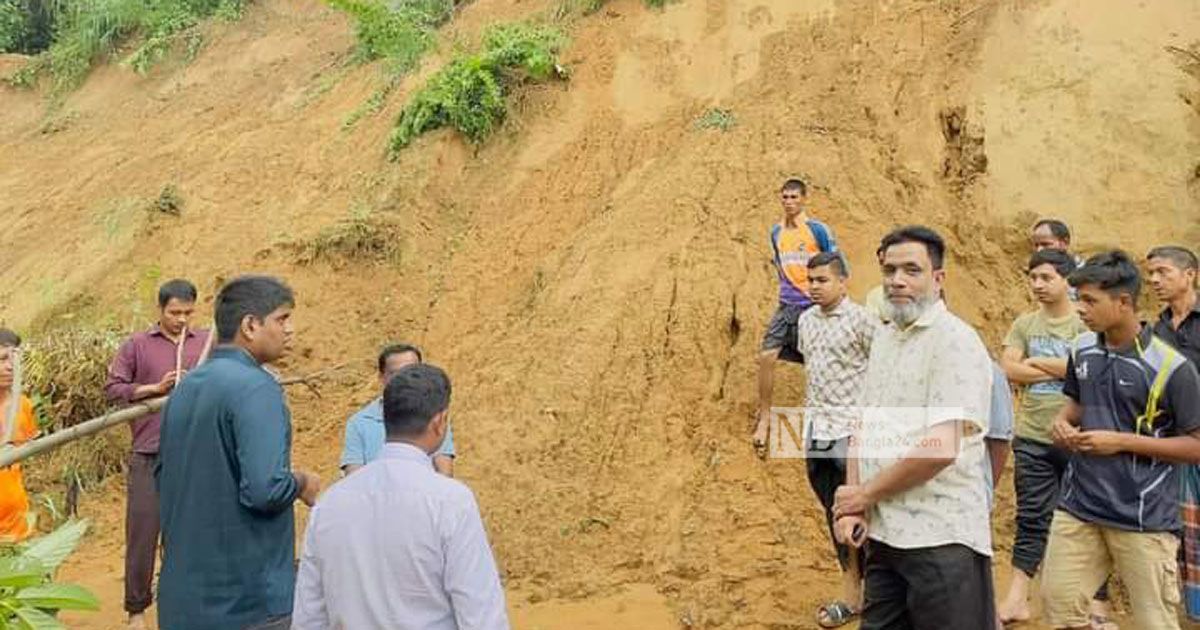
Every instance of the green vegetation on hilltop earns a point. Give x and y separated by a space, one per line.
71 35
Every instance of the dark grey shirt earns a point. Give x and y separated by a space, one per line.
1187 337
225 498
1125 491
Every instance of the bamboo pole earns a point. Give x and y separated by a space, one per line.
208 344
14 396
11 455
179 353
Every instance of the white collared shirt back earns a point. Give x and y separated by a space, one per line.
396 545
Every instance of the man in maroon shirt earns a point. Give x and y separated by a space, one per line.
145 367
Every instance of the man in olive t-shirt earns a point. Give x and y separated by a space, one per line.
1035 359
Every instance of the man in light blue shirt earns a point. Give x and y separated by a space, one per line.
365 432
1000 430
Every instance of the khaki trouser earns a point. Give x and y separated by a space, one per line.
1080 557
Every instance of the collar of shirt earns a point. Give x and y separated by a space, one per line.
156 330
838 310
1167 315
1141 342
403 451
373 410
230 351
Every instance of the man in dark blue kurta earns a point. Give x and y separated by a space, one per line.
224 476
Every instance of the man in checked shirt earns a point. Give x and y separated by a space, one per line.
836 341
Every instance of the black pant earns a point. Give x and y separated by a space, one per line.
931 588
1038 470
826 464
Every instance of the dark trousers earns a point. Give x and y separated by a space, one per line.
141 531
931 588
1038 470
825 461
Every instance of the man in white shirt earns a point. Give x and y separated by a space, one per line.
397 546
835 339
915 482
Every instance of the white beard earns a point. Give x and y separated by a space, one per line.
903 316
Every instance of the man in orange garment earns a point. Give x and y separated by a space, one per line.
14 503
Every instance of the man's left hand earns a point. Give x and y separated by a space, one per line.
1100 442
852 500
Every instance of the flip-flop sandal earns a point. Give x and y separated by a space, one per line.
1101 622
835 615
760 449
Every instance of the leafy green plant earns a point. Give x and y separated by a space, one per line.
29 598
399 31
468 94
717 118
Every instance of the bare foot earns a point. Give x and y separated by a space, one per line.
137 621
762 433
1100 614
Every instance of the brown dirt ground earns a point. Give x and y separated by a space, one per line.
596 277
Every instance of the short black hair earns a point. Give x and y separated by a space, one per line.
1062 262
258 296
833 259
413 397
1179 256
178 289
9 338
1113 272
918 234
795 183
1057 228
397 348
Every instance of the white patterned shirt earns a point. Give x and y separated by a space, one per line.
937 370
835 346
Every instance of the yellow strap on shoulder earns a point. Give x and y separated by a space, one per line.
1157 387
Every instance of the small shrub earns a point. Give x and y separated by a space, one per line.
469 93
169 201
64 374
363 237
716 118
401 31
66 370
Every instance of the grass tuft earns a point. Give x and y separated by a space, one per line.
363 237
